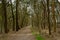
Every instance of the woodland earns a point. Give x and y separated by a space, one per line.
29 19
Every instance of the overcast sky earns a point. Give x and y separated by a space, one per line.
59 0
13 0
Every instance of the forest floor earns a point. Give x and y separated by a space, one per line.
23 34
54 36
26 34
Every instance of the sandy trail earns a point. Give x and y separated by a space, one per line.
23 34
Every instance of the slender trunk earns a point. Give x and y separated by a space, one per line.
44 13
36 10
32 20
48 11
53 12
17 26
25 13
12 16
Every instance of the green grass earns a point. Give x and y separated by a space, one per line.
38 37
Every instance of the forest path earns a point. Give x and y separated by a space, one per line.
23 34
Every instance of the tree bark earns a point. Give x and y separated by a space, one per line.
17 26
48 12
5 15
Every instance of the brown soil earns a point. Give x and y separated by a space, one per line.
23 34
54 36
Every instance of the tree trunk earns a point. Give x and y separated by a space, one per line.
17 26
44 13
5 15
12 16
48 12
53 12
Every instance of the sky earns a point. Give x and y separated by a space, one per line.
13 0
59 0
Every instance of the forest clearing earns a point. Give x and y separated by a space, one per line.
29 19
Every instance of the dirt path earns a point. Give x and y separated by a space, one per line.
23 34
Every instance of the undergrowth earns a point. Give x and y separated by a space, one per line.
38 37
